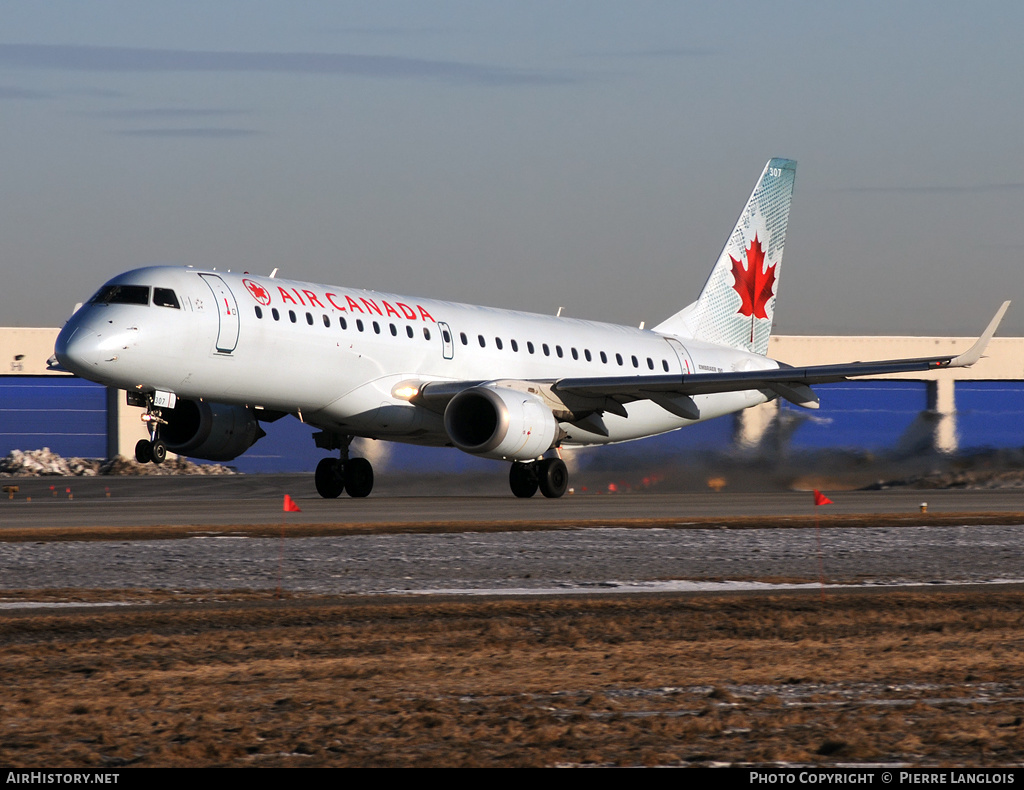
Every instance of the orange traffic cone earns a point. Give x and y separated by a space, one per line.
290 506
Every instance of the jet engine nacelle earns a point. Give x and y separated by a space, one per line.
211 431
498 422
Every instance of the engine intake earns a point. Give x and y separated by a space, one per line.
498 422
211 431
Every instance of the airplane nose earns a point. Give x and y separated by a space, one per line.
77 350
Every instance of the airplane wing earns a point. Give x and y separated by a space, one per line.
791 383
674 392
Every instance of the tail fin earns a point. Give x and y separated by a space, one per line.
738 301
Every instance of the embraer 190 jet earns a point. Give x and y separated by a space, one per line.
210 355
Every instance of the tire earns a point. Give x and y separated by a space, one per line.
553 477
159 451
329 479
522 479
358 477
143 451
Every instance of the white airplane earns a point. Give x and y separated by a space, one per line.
212 354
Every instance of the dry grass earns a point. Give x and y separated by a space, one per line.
205 679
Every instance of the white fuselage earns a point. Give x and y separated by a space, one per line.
334 355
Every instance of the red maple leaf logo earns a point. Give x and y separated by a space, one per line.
752 284
259 293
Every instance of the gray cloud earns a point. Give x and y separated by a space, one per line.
128 60
972 189
7 92
668 53
196 132
165 113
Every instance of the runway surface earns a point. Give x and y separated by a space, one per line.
257 500
674 554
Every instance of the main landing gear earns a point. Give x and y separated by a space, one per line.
334 475
547 474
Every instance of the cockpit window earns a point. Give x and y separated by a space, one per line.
164 297
122 294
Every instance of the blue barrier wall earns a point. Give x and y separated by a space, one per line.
862 415
989 414
68 415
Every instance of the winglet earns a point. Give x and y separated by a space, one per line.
973 354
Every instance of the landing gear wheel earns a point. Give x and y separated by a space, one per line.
330 481
158 450
553 477
522 479
143 451
358 477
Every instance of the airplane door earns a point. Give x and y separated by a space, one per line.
227 313
683 355
447 340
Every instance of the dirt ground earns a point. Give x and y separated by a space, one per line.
244 679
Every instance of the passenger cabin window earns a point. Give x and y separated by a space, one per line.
259 312
327 320
497 342
394 330
515 345
650 363
575 354
664 364
483 343
291 315
309 319
618 358
463 338
343 322
408 331
359 324
273 312
604 358
165 297
376 327
586 353
635 363
545 349
529 346
122 294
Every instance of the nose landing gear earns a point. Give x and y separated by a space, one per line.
154 449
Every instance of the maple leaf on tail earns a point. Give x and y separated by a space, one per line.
753 284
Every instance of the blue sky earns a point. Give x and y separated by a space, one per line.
520 154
